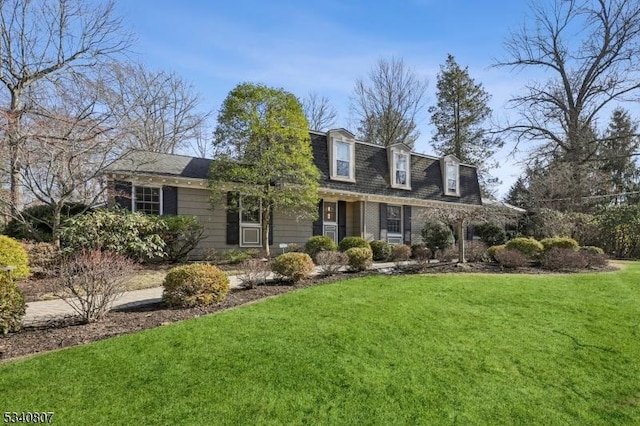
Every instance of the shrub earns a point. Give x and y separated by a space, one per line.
182 234
89 281
563 259
319 243
591 249
595 260
381 250
351 242
491 233
530 247
43 258
437 236
559 242
36 222
294 247
195 285
360 258
401 253
12 305
420 253
492 251
475 251
449 254
234 256
134 235
254 272
13 254
511 258
330 262
293 266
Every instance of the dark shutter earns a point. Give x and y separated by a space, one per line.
169 200
122 194
383 219
342 220
271 227
317 224
233 219
406 211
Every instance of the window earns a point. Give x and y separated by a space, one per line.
147 200
330 209
342 160
401 170
250 222
452 179
394 219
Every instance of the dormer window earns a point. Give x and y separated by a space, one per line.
452 181
400 167
342 155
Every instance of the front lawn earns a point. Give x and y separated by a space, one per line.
434 349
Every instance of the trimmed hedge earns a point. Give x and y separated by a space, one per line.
559 242
293 266
12 305
195 285
530 247
319 243
13 254
351 242
493 251
381 250
360 258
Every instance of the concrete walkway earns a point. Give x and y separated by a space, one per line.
47 310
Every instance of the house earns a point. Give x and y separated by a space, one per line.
366 190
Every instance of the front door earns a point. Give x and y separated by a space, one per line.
330 220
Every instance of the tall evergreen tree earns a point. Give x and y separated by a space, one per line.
460 117
620 144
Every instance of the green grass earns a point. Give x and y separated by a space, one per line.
439 349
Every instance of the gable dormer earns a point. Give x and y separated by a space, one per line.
342 155
399 158
450 166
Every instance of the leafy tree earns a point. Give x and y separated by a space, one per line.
617 152
459 119
590 51
437 236
264 153
388 104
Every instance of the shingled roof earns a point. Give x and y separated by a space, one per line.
153 163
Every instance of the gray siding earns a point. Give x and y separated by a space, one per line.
195 202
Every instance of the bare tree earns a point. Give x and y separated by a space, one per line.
320 114
72 140
159 110
42 40
590 49
388 104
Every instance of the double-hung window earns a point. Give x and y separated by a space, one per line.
343 166
401 169
452 184
147 200
250 222
394 224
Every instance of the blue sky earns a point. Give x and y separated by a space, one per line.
323 46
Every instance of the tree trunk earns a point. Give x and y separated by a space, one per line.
266 219
460 232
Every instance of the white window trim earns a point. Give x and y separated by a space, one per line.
396 153
335 222
446 179
394 235
334 160
133 196
249 225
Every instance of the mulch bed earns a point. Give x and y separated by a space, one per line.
68 332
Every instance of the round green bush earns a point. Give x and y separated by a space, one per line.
493 250
195 285
360 258
559 242
12 305
491 233
530 247
381 250
437 236
592 249
351 242
13 254
319 243
293 266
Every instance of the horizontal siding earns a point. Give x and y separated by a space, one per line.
288 230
